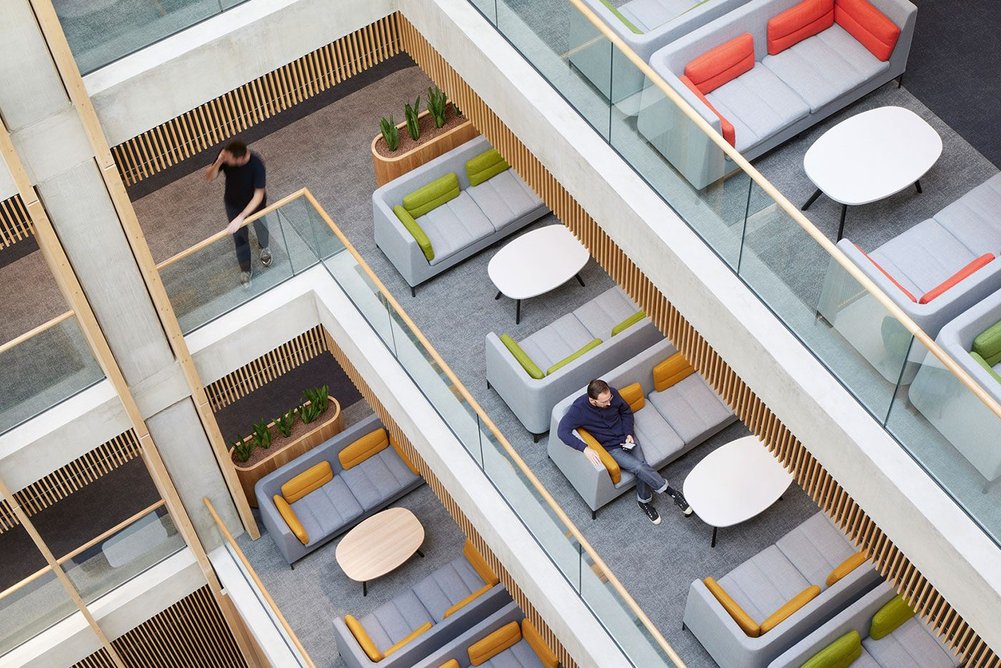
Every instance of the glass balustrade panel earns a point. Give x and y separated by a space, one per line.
31 606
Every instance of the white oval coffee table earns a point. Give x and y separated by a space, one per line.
734 483
535 263
379 545
871 156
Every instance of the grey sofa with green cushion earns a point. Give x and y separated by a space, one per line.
529 391
910 645
672 422
458 219
761 585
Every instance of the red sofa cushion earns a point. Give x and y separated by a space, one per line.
965 272
728 132
887 274
868 25
797 23
723 64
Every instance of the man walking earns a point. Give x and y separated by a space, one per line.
244 195
606 416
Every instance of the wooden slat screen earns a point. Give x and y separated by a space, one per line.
453 509
266 368
217 120
809 474
15 223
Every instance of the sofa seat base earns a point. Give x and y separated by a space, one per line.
922 257
505 199
395 620
660 443
454 225
763 583
556 341
649 15
691 408
519 655
381 478
447 586
604 312
974 218
759 104
824 67
815 548
910 645
327 509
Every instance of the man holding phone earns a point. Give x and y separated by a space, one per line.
605 415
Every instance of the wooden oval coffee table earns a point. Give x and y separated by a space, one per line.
379 545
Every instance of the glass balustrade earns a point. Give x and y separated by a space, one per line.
32 606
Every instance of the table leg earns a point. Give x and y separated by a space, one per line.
517 312
421 554
713 544
497 296
841 225
364 585
813 198
580 280
917 184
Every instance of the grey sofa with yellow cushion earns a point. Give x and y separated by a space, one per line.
533 374
416 622
776 598
674 410
449 209
877 631
331 488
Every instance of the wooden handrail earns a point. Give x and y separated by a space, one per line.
257 581
31 333
791 210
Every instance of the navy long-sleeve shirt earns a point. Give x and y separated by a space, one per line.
609 426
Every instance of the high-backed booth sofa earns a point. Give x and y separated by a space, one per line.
323 493
768 70
449 209
774 599
674 410
533 374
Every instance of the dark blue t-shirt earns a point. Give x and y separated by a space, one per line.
242 181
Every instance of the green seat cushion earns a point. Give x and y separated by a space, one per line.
419 234
628 322
982 362
431 196
988 344
485 166
574 355
889 617
526 362
839 654
626 22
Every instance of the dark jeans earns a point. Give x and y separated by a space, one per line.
647 479
241 238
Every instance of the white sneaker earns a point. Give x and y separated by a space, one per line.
266 256
246 279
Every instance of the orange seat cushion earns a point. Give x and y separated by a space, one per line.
887 274
723 64
797 23
671 371
965 272
868 25
633 395
728 132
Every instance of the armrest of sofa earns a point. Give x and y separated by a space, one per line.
397 243
903 13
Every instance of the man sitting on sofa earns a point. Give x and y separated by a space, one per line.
607 417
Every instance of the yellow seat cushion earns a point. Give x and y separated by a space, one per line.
291 519
482 650
370 444
464 602
364 641
614 472
672 370
847 566
791 606
534 639
308 481
479 564
633 395
452 663
743 620
886 620
423 628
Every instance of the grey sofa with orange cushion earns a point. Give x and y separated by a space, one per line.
674 410
333 487
424 618
774 599
768 70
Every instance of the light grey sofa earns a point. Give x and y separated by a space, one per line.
377 477
672 422
532 399
910 645
424 618
918 260
959 415
779 97
459 228
804 557
645 26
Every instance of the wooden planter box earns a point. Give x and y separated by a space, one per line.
387 169
281 454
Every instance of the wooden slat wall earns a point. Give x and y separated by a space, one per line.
73 476
809 474
217 120
192 632
15 223
266 368
400 438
